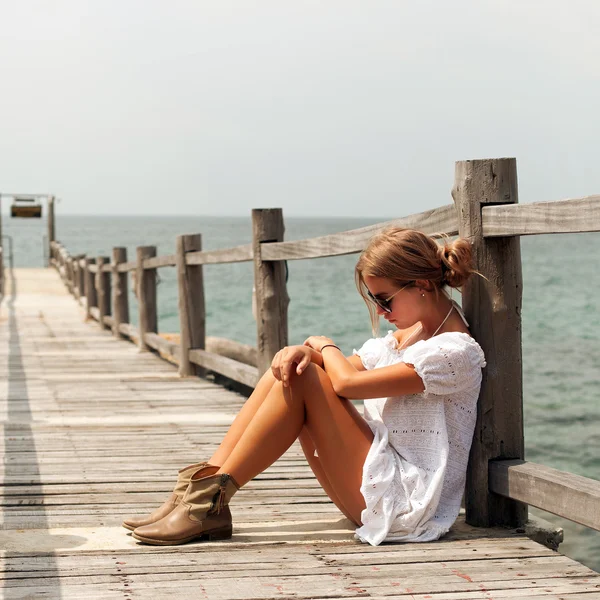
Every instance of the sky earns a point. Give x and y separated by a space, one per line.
323 108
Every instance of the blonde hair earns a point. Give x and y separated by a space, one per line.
405 255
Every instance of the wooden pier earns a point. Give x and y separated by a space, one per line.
95 429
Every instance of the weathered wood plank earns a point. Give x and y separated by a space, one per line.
221 256
436 221
562 216
168 260
225 366
567 495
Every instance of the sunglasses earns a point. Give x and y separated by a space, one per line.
385 303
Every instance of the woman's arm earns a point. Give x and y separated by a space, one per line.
349 382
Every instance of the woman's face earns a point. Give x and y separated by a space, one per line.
402 302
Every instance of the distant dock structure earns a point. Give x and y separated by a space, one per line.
95 427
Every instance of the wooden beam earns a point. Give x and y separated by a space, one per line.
231 349
51 228
103 289
222 256
167 350
436 221
569 496
168 260
146 295
493 309
271 292
120 296
91 299
225 366
192 314
562 216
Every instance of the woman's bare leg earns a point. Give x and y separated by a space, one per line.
340 435
315 464
244 417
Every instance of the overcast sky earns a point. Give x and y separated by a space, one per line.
324 108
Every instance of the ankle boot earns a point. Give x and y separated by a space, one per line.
183 480
203 513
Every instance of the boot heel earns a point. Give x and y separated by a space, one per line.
220 534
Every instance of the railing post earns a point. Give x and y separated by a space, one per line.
91 298
493 309
271 293
51 230
81 276
146 295
103 289
120 298
192 313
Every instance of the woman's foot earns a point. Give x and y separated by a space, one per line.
174 499
203 513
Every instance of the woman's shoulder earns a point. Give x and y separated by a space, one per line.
450 343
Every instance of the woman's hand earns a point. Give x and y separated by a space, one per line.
285 359
316 342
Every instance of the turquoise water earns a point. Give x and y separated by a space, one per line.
561 318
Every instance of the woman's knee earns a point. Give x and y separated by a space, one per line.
312 376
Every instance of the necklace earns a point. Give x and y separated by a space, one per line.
445 319
419 329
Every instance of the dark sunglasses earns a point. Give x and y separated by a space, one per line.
385 304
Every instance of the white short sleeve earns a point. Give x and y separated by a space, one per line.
370 352
448 363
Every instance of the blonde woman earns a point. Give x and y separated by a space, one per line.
398 472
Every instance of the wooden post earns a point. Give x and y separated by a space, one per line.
91 298
81 276
493 309
146 295
120 298
51 230
103 289
271 293
192 314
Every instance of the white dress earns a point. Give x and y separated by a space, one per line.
414 474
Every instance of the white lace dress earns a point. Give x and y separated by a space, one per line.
414 474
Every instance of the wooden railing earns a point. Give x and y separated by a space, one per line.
500 484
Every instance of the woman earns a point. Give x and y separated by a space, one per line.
398 472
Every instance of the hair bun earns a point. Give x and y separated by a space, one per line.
456 261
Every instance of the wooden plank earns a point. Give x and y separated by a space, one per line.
271 292
243 353
94 313
567 495
167 260
190 301
120 296
493 309
103 290
225 366
128 266
91 299
436 221
146 295
573 215
130 331
168 350
221 256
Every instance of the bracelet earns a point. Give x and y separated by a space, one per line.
330 346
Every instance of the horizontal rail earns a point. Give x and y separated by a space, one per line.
167 349
573 497
575 215
167 260
243 353
225 366
95 312
93 268
441 220
226 255
128 330
127 266
109 321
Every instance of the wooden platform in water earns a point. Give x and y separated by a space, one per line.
94 431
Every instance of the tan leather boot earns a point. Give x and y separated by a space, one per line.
203 513
183 480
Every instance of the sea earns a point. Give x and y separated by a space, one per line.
561 317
